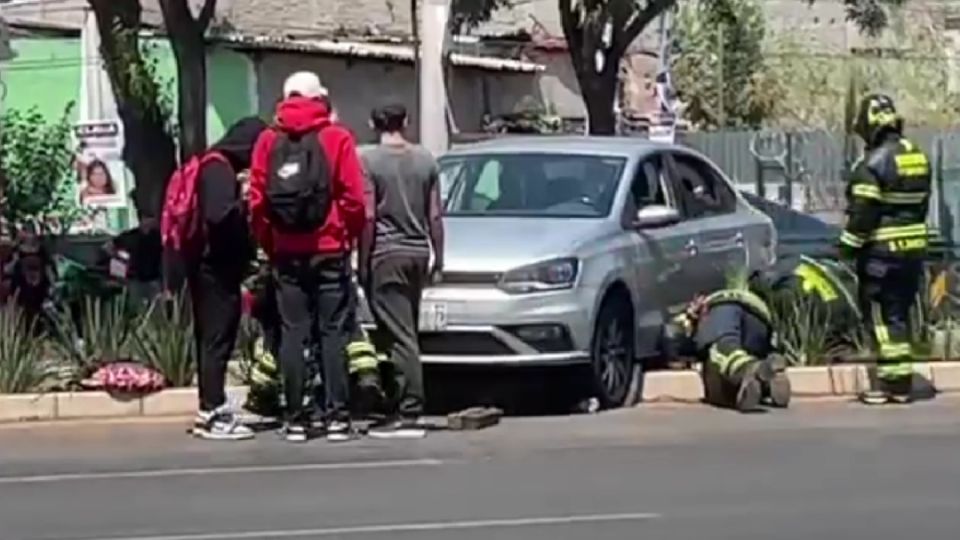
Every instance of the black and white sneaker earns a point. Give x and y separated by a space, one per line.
295 432
403 428
220 425
340 431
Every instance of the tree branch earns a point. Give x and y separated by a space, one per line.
206 14
641 18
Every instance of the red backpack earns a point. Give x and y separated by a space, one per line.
181 223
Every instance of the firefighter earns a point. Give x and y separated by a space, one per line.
731 332
886 234
828 286
265 398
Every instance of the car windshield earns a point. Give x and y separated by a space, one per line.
530 184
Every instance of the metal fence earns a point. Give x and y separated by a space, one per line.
806 170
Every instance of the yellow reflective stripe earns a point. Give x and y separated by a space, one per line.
899 231
907 244
729 363
913 159
741 296
360 347
907 145
894 370
811 280
891 350
851 239
880 118
867 191
879 328
901 197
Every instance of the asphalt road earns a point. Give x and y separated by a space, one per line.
836 471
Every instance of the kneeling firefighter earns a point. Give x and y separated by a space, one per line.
731 332
265 396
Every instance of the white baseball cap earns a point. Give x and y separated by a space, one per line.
304 83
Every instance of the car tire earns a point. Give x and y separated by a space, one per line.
616 375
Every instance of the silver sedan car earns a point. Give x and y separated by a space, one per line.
573 251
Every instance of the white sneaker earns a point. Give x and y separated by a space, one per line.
220 425
399 429
339 431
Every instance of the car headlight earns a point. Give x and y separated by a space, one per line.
546 276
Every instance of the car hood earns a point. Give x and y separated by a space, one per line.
488 244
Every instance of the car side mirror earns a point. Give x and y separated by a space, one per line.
655 215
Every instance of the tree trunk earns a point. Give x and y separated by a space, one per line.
599 92
189 48
149 150
587 24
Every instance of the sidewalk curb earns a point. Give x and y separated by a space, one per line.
659 387
91 405
808 382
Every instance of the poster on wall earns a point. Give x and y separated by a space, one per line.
101 185
99 161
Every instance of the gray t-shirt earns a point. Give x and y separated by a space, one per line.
401 179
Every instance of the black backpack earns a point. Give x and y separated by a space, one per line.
298 187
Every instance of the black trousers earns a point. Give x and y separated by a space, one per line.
396 284
313 300
215 297
888 290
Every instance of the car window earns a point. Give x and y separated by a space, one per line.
648 184
534 184
700 191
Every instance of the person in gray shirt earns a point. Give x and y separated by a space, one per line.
394 258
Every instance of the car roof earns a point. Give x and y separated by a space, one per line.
618 146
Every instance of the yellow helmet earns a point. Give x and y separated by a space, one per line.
877 115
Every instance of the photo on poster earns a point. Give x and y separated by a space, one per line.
101 174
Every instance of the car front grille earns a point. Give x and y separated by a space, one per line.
461 344
471 278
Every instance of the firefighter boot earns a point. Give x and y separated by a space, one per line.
363 367
750 388
776 384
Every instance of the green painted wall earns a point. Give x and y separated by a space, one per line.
45 74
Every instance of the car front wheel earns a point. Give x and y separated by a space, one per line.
615 373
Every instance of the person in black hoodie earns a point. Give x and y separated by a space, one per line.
215 280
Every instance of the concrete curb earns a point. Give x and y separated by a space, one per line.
89 405
659 386
808 382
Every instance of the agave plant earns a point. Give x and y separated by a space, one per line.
95 332
22 366
164 340
804 328
246 352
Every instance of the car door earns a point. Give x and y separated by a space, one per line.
663 256
707 201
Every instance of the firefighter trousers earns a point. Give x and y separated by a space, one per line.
888 290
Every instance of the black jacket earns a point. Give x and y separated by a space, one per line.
887 200
229 246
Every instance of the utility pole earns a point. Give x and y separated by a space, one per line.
722 113
415 31
432 93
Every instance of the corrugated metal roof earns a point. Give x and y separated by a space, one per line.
383 51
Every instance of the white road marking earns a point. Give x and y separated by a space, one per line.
400 527
211 471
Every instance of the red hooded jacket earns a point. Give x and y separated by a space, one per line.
346 218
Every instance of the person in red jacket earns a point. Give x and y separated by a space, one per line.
307 211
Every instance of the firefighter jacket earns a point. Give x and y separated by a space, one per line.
887 199
730 328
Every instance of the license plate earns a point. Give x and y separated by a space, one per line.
433 316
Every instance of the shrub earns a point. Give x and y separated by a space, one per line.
22 366
164 340
36 159
94 331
